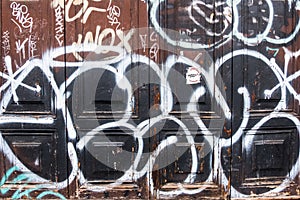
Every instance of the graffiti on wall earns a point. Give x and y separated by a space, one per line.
215 25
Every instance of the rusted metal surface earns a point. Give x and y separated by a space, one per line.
149 99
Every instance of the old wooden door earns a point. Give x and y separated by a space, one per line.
149 99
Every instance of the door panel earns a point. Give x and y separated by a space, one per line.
112 152
32 101
35 150
182 159
279 147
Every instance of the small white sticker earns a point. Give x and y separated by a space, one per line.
193 75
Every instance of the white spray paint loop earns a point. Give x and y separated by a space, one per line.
286 79
91 47
246 52
188 136
258 39
295 169
207 19
153 13
236 136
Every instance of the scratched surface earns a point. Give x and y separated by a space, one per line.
150 99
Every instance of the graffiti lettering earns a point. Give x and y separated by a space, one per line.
32 46
5 47
107 35
20 12
127 61
198 7
20 47
5 43
154 49
273 50
143 39
84 12
59 25
207 25
114 13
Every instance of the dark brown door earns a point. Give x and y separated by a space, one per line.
149 99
